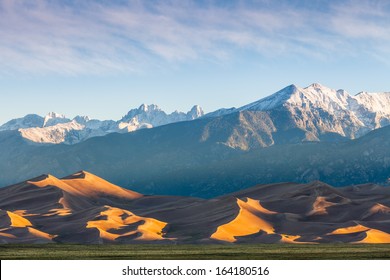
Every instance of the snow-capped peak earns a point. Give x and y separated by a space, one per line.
55 128
313 96
54 115
319 96
147 116
195 112
375 102
149 108
272 101
27 121
81 119
53 118
317 86
319 107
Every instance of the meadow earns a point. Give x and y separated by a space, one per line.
194 252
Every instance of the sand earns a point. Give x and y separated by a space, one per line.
83 208
247 222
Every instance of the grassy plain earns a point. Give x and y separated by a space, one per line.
195 252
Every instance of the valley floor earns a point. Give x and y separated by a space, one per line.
195 252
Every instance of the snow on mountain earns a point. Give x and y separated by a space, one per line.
55 128
272 101
31 120
55 134
147 116
316 112
319 110
53 118
220 112
82 119
195 112
372 108
314 96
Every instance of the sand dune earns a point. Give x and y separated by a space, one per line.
83 208
113 223
379 208
371 235
320 205
40 234
255 206
375 236
292 239
18 221
251 220
351 229
24 235
7 235
58 212
94 186
53 181
19 229
247 222
87 185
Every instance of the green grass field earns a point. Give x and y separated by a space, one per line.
195 252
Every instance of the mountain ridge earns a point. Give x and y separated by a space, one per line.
320 110
55 128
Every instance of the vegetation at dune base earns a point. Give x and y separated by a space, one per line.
194 252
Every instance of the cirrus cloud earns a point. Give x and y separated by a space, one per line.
94 37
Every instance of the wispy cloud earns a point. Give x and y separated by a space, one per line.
79 37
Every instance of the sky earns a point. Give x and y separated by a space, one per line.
103 58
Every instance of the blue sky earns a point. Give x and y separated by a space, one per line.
102 58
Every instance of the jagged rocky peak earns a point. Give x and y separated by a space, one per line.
55 128
148 116
53 118
53 115
81 119
196 112
149 108
142 110
317 86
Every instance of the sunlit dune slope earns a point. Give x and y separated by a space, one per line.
88 185
379 208
247 222
94 186
18 221
371 235
53 181
15 228
351 229
375 236
50 208
251 220
114 223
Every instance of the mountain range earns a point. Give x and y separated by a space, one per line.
56 128
314 113
85 209
297 135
